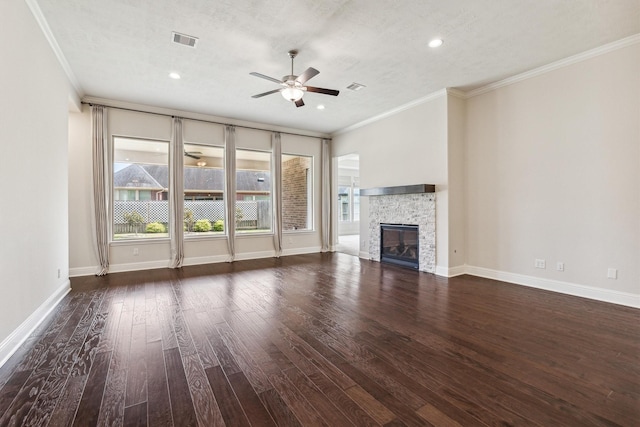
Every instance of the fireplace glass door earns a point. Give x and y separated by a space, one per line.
399 245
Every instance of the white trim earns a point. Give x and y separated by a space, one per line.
135 266
599 294
450 272
364 255
301 251
394 111
46 30
22 332
255 255
83 271
441 271
457 93
114 103
214 259
610 47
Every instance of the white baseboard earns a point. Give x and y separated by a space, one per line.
119 268
364 255
22 332
82 271
254 255
599 294
450 271
301 251
214 259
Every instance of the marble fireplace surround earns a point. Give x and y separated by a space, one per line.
410 204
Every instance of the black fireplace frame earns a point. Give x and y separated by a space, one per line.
401 261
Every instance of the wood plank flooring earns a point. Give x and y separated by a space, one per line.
322 340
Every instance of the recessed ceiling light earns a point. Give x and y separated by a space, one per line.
174 76
320 107
435 43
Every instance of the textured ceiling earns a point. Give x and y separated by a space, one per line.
123 50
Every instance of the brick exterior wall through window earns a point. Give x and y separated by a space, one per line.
295 175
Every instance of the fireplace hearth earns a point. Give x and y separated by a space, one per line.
399 244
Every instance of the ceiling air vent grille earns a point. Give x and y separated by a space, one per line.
355 86
184 39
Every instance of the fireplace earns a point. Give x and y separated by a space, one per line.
399 244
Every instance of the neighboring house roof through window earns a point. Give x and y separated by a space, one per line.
204 179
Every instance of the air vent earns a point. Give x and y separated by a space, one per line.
355 86
184 39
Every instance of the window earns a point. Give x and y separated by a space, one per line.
348 199
203 190
253 191
297 194
140 188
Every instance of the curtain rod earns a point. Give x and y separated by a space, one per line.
202 120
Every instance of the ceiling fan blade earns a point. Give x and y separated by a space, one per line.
192 156
262 76
260 95
308 74
299 102
332 92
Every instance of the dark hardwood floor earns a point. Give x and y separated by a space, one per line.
322 339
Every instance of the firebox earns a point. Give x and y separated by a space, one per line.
399 245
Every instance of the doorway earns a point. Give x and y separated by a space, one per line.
348 180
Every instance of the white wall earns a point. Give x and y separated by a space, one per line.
33 175
544 168
456 182
409 147
554 173
155 254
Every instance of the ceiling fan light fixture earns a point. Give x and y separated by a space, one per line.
292 93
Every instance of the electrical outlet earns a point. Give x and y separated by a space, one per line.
136 252
540 263
560 266
612 273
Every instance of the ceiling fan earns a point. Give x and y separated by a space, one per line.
192 154
293 87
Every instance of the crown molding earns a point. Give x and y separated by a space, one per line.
456 93
113 103
610 47
46 30
393 112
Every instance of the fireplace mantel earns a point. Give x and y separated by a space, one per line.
401 189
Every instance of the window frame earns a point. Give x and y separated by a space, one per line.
111 160
193 236
311 218
269 154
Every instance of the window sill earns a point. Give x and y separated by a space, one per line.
245 235
203 236
141 241
296 232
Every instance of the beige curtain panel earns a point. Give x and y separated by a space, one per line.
230 188
100 197
176 198
325 196
276 188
